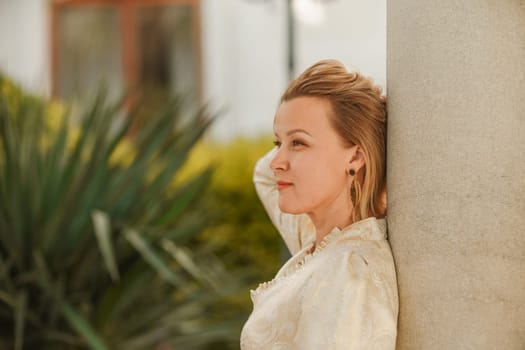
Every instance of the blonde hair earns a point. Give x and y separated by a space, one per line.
359 117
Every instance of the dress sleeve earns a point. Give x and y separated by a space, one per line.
296 230
351 305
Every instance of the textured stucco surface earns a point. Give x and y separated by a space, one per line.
456 171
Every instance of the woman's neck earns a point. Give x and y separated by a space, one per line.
324 223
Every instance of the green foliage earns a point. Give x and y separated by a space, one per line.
91 231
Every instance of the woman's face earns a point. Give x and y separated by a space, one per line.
311 164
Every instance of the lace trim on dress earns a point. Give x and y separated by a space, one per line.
298 266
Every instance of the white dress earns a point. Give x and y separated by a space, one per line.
341 296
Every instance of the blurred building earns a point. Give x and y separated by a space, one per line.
230 53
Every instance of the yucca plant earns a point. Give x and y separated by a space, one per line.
91 231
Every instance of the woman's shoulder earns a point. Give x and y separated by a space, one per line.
367 236
357 254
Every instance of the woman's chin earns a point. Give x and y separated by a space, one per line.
290 209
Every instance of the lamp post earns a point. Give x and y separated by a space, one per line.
291 19
290 35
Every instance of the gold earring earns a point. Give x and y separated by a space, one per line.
355 191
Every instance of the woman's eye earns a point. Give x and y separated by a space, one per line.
297 143
277 143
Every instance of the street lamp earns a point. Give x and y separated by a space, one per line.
309 11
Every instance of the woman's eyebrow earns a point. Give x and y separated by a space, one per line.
293 131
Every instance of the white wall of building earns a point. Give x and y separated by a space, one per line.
243 46
244 63
245 52
351 31
24 43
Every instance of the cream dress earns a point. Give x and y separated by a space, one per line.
341 296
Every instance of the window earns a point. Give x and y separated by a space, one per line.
125 44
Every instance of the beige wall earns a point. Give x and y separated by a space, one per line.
456 171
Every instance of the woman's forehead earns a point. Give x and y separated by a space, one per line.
306 114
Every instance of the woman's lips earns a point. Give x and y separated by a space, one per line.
281 185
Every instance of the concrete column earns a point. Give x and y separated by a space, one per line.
456 171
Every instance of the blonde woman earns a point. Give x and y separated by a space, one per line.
323 186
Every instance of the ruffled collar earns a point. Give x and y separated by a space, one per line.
370 228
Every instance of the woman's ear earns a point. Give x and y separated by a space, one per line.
357 158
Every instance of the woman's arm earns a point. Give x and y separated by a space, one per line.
296 230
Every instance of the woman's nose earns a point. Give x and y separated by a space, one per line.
279 161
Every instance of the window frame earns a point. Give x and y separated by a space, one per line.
128 24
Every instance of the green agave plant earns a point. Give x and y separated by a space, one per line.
91 252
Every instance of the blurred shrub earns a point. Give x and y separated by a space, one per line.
241 230
92 227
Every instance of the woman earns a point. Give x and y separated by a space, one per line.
323 186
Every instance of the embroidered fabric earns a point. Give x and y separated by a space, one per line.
341 296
